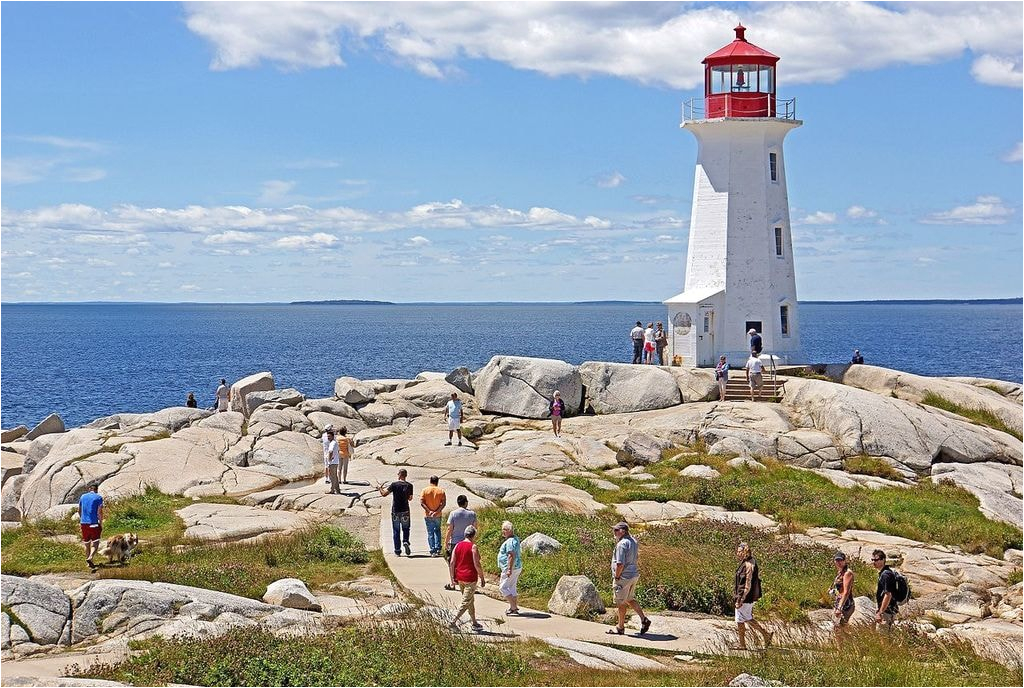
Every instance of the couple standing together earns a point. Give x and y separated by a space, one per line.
647 342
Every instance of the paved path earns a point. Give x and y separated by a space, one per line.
425 578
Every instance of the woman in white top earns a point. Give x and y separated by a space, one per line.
223 396
649 346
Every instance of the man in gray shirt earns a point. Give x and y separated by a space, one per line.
625 575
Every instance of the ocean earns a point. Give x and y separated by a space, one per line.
87 361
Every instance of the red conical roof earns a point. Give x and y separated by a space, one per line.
740 51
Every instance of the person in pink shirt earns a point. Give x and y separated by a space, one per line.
556 409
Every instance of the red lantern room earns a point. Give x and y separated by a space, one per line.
739 80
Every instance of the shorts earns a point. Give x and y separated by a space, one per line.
91 532
649 346
222 404
755 380
508 584
847 613
745 612
454 423
624 590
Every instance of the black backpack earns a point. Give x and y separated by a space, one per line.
903 594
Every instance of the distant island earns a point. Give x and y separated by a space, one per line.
342 302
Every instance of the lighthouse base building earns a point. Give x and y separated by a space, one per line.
739 266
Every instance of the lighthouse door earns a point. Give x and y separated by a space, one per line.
706 336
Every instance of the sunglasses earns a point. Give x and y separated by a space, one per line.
876 559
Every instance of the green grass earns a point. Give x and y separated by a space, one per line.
687 566
319 556
417 653
978 416
1014 577
871 465
940 513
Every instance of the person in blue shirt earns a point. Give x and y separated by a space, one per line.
90 510
510 561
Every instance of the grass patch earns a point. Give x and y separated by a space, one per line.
415 652
977 416
941 513
871 465
319 556
687 566
1014 577
805 373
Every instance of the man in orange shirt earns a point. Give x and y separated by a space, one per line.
433 500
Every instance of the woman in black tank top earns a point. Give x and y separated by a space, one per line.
842 591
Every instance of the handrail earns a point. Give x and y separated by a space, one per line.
693 110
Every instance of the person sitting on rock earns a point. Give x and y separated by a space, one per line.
191 402
857 358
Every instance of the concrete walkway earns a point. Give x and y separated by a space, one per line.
425 577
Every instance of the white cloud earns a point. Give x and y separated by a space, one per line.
84 174
986 210
232 237
165 264
317 240
25 170
99 263
817 218
63 142
610 181
998 71
418 241
275 191
660 43
1015 154
189 287
859 212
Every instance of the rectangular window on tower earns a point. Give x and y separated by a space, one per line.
773 166
784 318
778 241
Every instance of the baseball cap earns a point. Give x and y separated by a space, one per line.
621 525
839 557
751 331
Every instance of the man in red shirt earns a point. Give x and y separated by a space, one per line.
466 570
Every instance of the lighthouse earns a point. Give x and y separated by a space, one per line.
739 263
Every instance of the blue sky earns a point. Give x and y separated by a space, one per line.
489 151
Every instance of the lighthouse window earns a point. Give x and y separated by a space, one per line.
778 241
773 166
784 317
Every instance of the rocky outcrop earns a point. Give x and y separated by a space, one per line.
461 378
10 497
997 486
700 471
624 388
647 511
916 388
291 593
602 657
42 610
288 397
575 596
13 434
258 382
353 391
239 523
641 449
48 426
523 387
695 384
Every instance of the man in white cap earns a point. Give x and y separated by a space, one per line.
327 459
755 341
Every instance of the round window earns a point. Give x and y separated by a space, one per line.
682 322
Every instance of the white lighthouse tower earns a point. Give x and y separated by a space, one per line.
739 266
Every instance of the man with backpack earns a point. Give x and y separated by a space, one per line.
892 589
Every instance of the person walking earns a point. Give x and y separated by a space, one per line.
433 500
453 416
333 459
401 494
722 376
649 346
660 342
747 591
755 378
510 563
345 452
556 409
326 440
465 570
90 511
637 337
885 592
457 522
223 396
625 575
842 591
755 341
191 402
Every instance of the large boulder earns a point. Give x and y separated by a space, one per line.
353 391
460 378
288 455
695 384
13 434
291 593
288 397
258 382
996 485
575 596
641 449
539 543
48 426
10 496
11 464
238 522
523 387
916 388
43 609
625 388
698 470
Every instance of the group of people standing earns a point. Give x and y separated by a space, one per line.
648 342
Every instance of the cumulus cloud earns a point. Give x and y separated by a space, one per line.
232 236
1015 154
418 241
298 241
817 218
859 212
658 43
610 181
986 210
